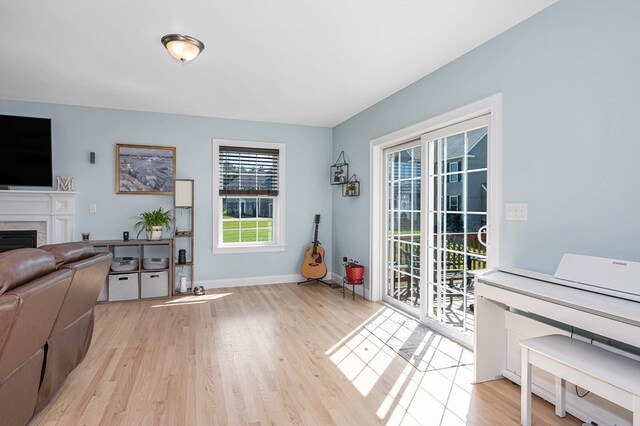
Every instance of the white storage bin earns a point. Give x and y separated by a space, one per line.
124 264
123 287
102 297
155 262
154 284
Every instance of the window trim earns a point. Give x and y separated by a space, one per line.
454 175
450 205
278 244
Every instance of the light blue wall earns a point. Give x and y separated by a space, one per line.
570 79
571 93
79 130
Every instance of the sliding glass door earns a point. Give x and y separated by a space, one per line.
436 193
457 220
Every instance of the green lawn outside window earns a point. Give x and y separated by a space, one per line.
236 230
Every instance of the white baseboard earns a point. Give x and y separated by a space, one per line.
264 280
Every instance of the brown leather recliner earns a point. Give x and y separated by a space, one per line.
31 293
70 336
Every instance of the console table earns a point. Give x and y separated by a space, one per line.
140 283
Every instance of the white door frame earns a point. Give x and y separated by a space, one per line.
491 105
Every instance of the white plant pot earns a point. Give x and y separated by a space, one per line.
154 233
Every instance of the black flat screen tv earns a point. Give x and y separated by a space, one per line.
25 151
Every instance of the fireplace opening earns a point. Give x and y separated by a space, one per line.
11 240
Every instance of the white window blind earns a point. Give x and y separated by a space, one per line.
248 171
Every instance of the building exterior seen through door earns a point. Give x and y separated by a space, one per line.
437 190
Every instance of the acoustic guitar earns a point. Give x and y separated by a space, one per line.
313 266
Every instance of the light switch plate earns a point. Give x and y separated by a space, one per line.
92 208
515 211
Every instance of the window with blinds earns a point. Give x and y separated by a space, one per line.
248 196
248 171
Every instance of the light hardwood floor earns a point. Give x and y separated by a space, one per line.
276 354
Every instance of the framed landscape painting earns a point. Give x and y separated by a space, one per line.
142 169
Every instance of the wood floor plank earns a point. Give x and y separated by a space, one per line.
277 354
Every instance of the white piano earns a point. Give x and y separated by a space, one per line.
598 295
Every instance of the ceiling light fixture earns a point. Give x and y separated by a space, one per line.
182 47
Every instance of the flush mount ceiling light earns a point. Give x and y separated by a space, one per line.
182 47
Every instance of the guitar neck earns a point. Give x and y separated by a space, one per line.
315 240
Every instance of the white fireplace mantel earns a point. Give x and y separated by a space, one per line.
55 208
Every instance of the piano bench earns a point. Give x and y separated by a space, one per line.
612 376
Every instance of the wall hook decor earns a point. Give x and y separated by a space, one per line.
352 187
339 172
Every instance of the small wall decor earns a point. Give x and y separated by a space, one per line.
352 187
66 183
142 169
339 172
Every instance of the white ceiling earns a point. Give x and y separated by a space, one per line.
302 62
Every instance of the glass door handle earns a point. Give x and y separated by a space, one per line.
481 231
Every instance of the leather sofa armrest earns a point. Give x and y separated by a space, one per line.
66 253
20 266
88 278
8 308
38 304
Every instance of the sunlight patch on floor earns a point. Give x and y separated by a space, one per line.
394 393
437 396
355 331
192 300
180 304
428 398
416 343
362 360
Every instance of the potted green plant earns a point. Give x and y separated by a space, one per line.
152 222
351 188
355 271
